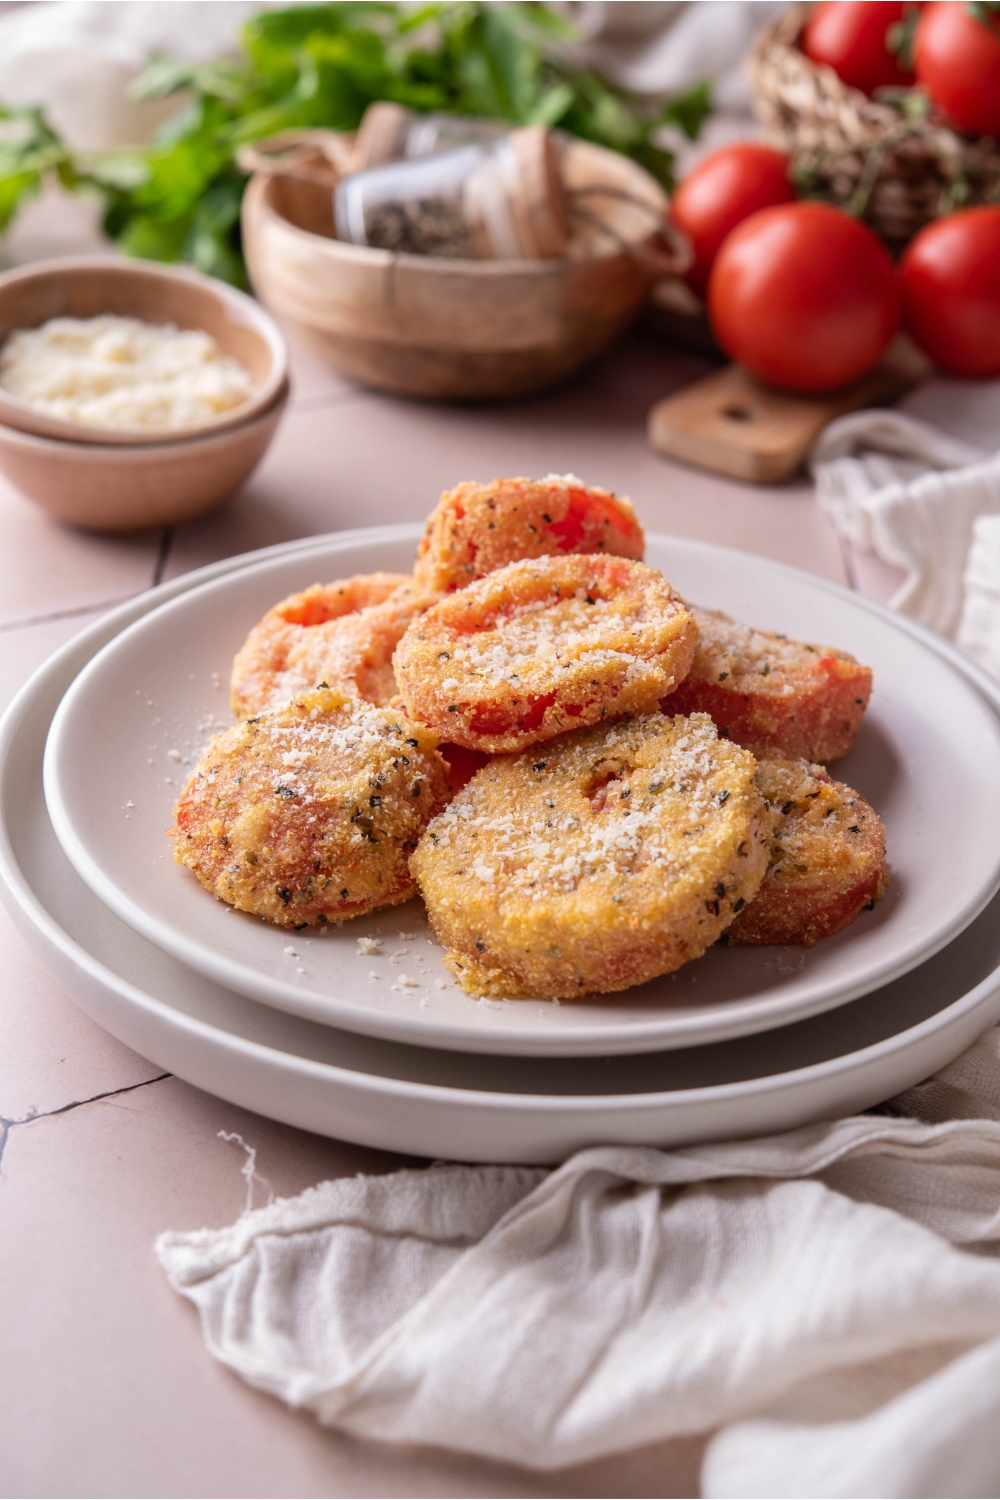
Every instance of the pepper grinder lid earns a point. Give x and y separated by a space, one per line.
381 135
540 207
514 202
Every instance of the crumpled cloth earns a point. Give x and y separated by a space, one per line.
925 502
663 47
77 58
826 1302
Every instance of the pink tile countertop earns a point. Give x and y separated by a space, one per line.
105 1383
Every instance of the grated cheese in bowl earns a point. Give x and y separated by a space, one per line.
119 372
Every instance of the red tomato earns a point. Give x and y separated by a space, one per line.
850 37
957 60
723 190
951 291
805 296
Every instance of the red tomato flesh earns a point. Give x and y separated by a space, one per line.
849 36
720 192
462 764
950 276
586 515
957 59
805 296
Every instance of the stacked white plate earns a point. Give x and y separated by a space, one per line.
361 1033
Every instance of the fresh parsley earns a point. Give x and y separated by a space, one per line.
178 199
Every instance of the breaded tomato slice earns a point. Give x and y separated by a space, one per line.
476 528
827 858
769 693
541 647
595 862
342 634
309 813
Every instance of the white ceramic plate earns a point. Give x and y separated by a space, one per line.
443 1104
927 757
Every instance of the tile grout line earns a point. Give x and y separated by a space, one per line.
77 610
320 403
68 614
6 1126
162 556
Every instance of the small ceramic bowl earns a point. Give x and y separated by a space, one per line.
88 286
437 328
133 486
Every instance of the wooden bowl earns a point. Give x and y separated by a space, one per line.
90 285
465 329
133 486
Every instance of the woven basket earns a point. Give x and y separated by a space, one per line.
894 171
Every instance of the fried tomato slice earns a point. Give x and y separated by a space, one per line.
827 857
476 528
769 693
542 647
309 813
596 861
342 634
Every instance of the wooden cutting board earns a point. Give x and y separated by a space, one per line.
732 423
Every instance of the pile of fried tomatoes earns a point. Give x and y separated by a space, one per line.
588 780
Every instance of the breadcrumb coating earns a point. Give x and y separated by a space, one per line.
476 528
309 813
596 861
342 634
769 693
827 859
541 647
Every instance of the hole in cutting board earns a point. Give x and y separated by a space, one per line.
740 413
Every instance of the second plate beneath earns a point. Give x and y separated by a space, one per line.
927 758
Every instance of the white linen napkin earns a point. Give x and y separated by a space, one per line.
925 502
77 58
826 1301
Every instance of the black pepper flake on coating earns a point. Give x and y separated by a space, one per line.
316 828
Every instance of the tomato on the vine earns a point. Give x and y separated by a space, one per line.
852 38
720 192
805 296
956 53
950 275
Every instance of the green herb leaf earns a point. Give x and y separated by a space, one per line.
321 66
690 111
987 13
